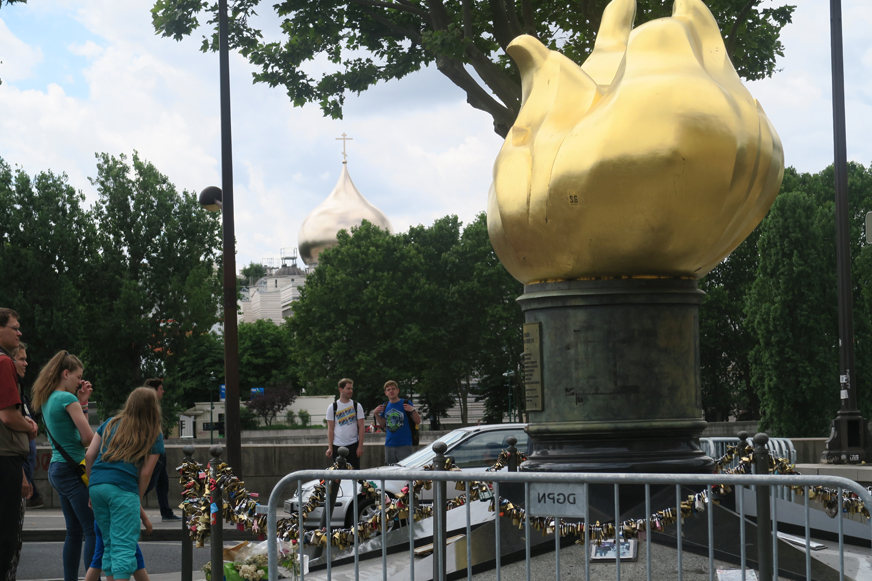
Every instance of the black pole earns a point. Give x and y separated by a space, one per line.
212 418
764 518
342 453
843 228
512 453
231 336
849 438
187 543
216 528
440 496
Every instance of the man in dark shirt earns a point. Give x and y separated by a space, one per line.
15 432
160 480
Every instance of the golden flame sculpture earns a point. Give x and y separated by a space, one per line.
650 160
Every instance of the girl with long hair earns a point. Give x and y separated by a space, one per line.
119 463
62 395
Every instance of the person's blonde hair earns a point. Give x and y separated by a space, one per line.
137 427
391 382
50 376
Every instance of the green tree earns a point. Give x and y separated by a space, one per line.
725 338
820 187
482 295
432 309
253 271
444 378
46 243
274 399
153 280
357 316
247 419
368 41
194 361
792 309
264 355
249 275
862 378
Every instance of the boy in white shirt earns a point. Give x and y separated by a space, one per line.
346 424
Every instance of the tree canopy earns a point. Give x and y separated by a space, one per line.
274 399
153 277
254 271
769 326
47 243
432 309
364 42
127 285
725 337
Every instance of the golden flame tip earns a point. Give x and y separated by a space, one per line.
650 160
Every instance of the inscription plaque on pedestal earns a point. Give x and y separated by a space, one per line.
533 367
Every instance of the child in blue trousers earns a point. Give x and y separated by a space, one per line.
119 463
96 568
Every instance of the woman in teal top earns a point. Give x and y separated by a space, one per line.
120 461
63 397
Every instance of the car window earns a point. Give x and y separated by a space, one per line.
425 455
484 448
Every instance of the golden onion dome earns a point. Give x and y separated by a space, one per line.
343 209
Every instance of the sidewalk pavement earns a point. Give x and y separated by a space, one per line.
47 525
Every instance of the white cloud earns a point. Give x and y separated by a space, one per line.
88 49
18 58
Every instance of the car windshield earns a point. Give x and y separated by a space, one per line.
425 455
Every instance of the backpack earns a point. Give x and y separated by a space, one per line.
336 406
413 427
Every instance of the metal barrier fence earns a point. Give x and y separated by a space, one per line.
766 545
777 447
717 447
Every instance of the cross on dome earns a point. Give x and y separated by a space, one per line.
343 139
344 209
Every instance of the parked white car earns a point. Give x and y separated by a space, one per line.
475 448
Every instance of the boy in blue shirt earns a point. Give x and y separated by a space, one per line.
392 418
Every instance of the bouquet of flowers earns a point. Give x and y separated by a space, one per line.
250 563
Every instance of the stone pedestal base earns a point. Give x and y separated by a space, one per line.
619 386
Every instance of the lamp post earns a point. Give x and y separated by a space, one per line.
212 383
213 199
849 440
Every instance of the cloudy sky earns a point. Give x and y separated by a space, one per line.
86 76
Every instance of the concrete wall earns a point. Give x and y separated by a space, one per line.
809 450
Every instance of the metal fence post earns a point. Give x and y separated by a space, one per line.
512 464
187 543
342 453
216 508
439 516
764 521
